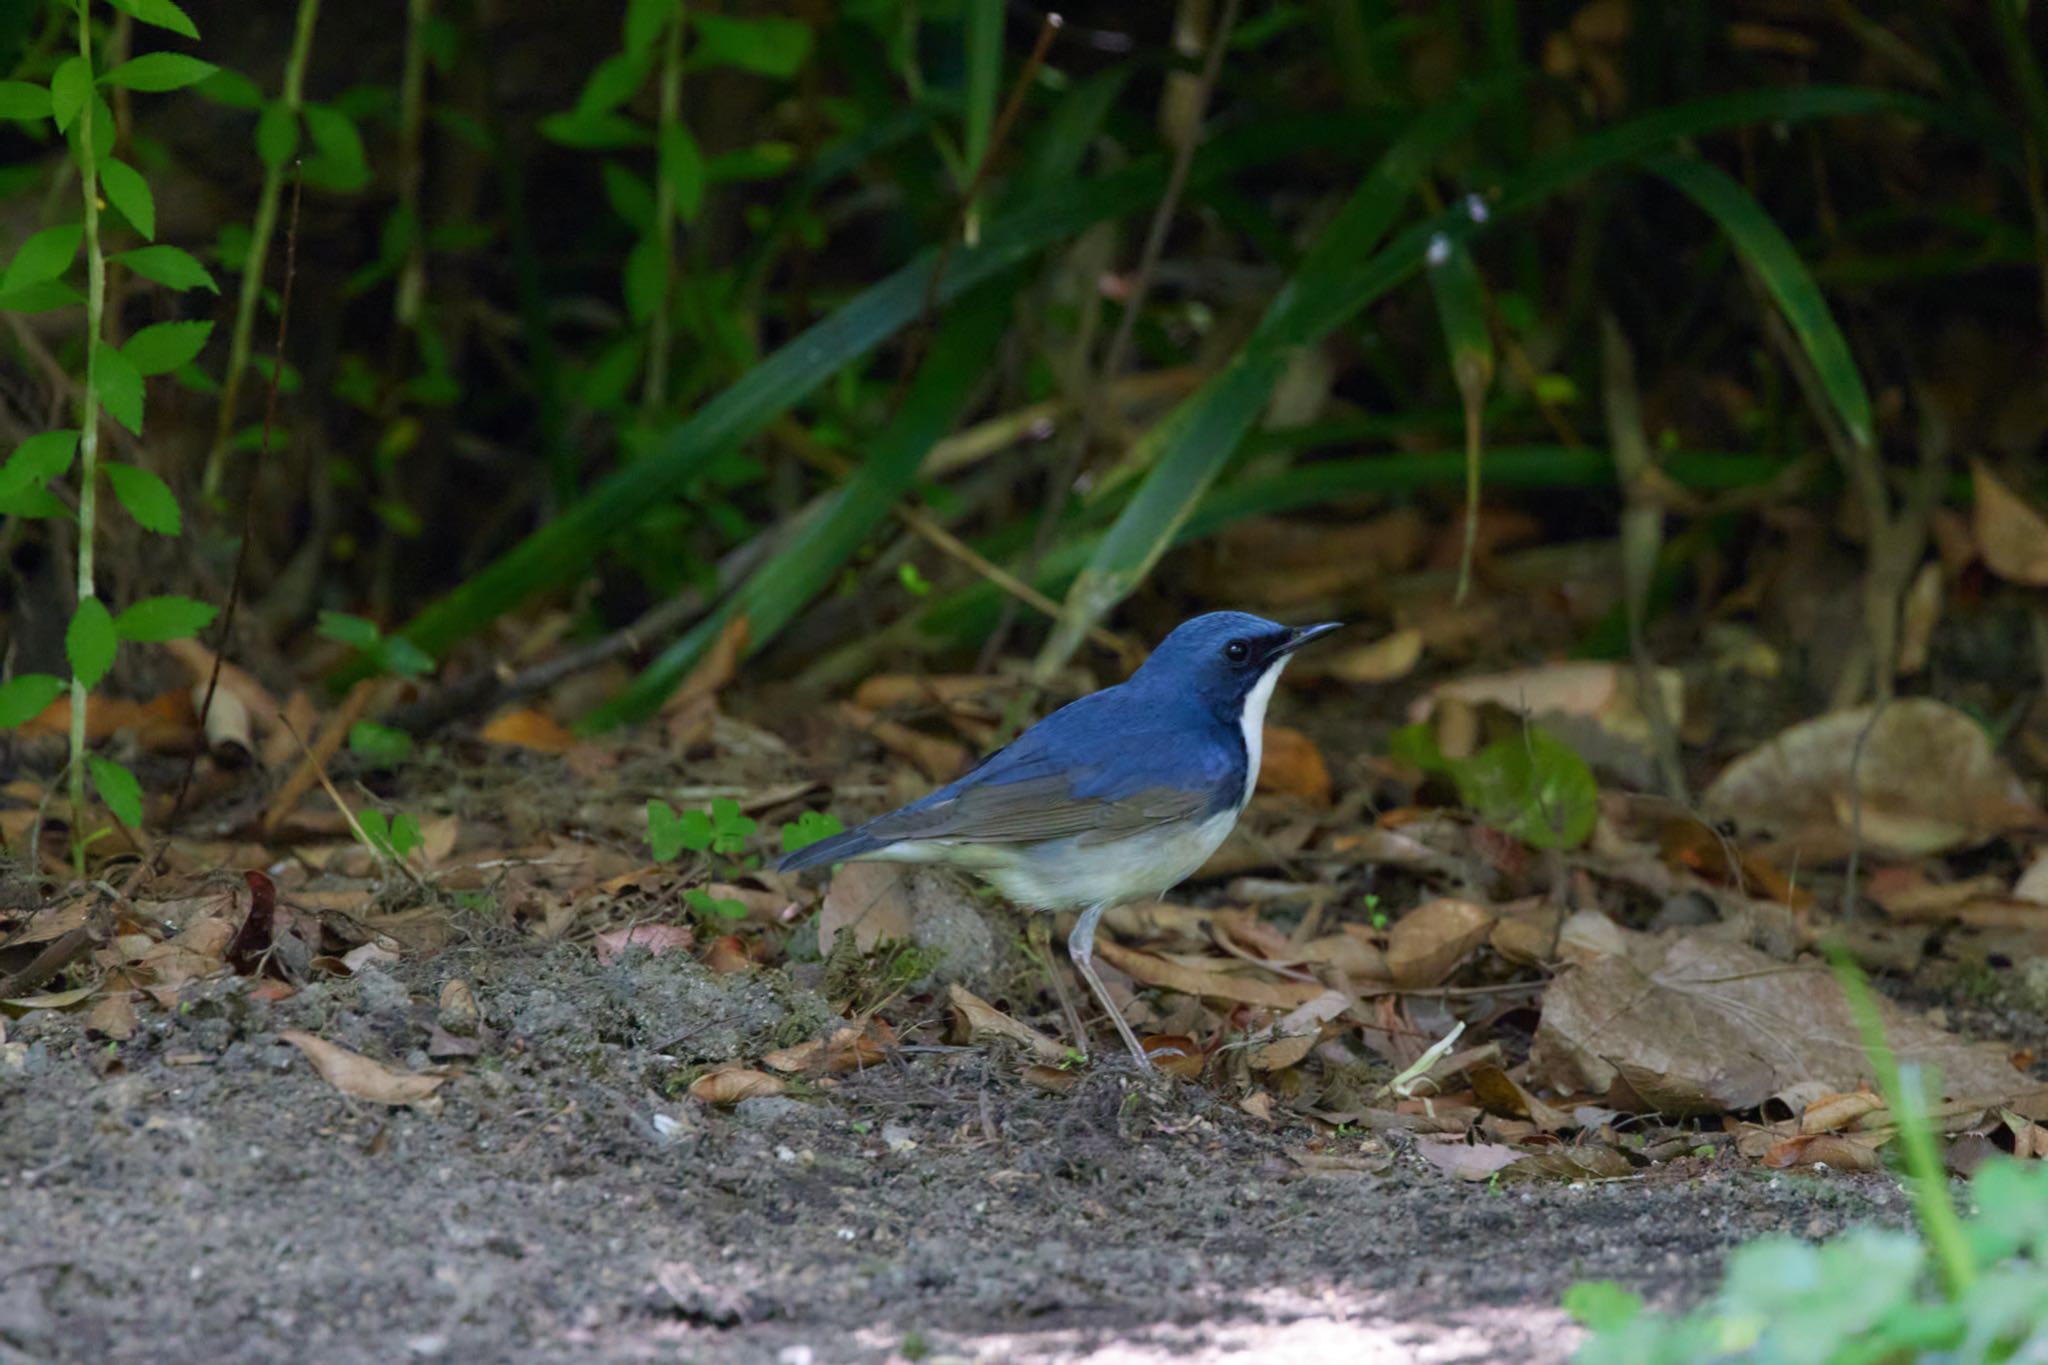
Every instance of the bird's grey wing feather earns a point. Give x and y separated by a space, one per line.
1035 809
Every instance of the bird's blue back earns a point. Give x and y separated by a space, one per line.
1141 734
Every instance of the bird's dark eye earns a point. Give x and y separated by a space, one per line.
1237 651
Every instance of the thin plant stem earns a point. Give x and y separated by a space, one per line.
412 277
88 426
659 326
260 233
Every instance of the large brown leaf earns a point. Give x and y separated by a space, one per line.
1699 1025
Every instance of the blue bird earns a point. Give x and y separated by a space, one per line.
1117 796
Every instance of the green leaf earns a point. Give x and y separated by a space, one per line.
148 498
402 658
1763 244
339 162
645 275
664 831
356 631
90 642
611 83
683 165
162 13
1601 1305
41 298
378 743
156 619
767 47
645 20
1533 786
44 256
631 197
604 132
38 460
156 72
405 834
696 832
23 101
119 384
232 89
277 134
24 698
730 829
129 192
809 828
117 788
70 86
31 504
713 907
163 346
170 266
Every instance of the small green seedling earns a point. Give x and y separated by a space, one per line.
722 830
1531 784
808 829
393 838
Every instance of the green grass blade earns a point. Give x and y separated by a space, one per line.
1461 309
984 34
1776 262
773 594
1190 446
560 550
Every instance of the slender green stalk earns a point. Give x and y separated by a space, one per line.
660 325
984 79
412 118
1939 1222
88 424
260 234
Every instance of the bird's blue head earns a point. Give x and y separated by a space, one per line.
1224 659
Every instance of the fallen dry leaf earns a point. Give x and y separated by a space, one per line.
1928 780
523 727
362 1077
1919 614
1429 941
113 1016
1607 693
1831 1112
1215 983
1298 1031
727 954
1174 1053
1051 1078
870 900
2012 536
733 1084
1698 1025
941 760
1593 1161
1500 1093
1387 659
655 938
1291 765
1467 1160
980 1021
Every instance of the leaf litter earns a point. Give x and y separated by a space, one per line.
1638 991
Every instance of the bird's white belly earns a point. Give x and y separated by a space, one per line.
1065 874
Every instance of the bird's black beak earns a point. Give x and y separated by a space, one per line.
1301 635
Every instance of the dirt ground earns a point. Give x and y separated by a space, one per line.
199 1192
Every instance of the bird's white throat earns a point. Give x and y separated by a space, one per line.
1254 723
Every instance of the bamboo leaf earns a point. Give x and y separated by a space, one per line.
783 586
561 549
1763 244
90 642
1192 444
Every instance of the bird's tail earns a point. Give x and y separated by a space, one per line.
837 849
